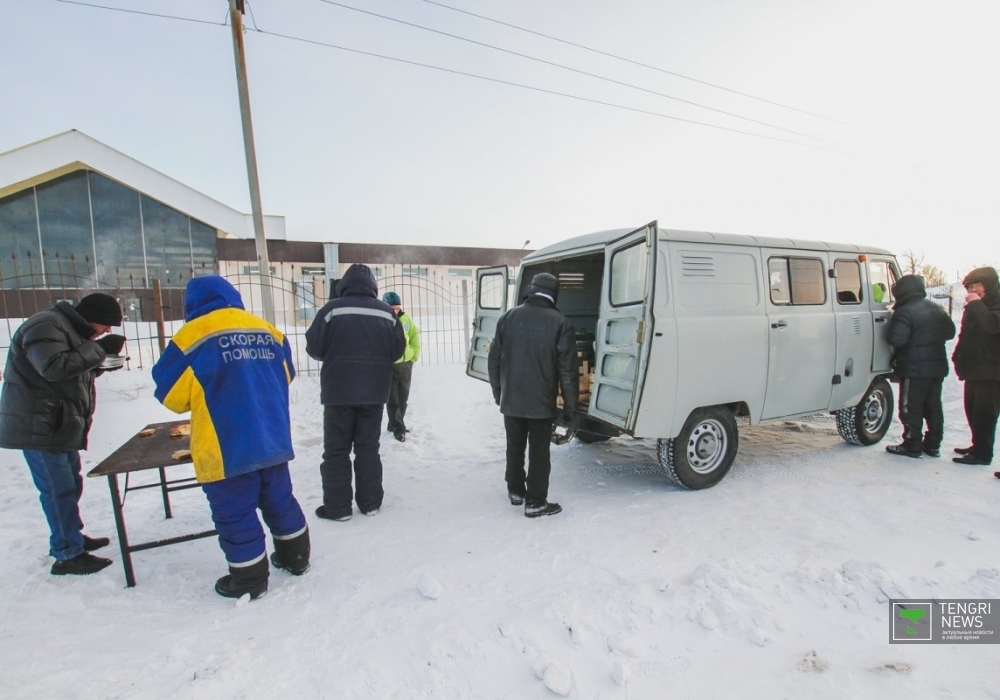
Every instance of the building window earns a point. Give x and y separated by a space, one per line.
415 271
457 272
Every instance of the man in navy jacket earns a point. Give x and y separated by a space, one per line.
357 337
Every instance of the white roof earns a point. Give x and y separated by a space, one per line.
73 150
596 241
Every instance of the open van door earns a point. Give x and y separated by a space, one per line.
491 304
882 275
624 328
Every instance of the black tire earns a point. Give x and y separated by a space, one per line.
869 421
704 451
587 437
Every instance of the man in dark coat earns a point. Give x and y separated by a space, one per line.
46 410
357 337
977 363
533 355
918 330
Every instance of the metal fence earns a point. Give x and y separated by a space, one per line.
440 305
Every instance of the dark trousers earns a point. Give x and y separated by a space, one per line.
234 503
399 394
982 406
919 401
535 434
346 428
60 484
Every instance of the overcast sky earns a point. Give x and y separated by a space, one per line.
904 152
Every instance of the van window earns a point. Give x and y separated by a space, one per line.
491 291
628 274
796 281
848 282
883 277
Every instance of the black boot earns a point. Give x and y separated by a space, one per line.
80 565
292 554
902 450
535 508
244 579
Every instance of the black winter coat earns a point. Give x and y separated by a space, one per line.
48 397
918 330
532 355
357 338
977 353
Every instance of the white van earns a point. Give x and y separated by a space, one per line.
683 332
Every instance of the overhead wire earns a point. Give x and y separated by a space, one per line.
455 72
636 63
574 70
142 12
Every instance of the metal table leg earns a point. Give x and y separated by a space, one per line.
166 493
116 506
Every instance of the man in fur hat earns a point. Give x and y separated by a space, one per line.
977 363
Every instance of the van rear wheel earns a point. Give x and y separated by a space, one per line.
704 451
868 422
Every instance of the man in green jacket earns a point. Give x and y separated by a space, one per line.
402 371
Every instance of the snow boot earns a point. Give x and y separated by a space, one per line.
516 499
80 565
92 543
292 554
964 450
322 512
971 459
241 580
535 509
901 450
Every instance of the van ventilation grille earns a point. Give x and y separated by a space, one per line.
856 324
697 265
571 280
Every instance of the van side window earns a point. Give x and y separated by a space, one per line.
629 267
848 281
796 281
882 277
491 291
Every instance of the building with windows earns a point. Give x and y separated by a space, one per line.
76 214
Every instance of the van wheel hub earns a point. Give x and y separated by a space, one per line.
706 447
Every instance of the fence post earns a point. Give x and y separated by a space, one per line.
465 317
161 333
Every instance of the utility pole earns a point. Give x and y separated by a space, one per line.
263 262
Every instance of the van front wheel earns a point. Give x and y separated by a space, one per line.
868 422
704 451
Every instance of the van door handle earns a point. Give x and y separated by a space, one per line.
779 324
881 320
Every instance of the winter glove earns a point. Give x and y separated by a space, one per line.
112 344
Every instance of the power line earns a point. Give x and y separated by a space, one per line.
140 12
458 72
574 70
637 63
536 89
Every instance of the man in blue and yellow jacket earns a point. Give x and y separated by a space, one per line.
231 370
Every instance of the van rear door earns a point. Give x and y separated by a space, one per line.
491 304
624 328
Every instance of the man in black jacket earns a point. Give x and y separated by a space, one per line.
357 337
533 355
977 363
918 331
46 410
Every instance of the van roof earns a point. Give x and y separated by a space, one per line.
596 241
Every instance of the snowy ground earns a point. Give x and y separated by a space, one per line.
771 585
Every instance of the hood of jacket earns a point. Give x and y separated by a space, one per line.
358 280
206 294
908 288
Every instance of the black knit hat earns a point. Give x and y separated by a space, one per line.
985 276
544 283
100 308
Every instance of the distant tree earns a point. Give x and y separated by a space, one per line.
912 262
933 277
